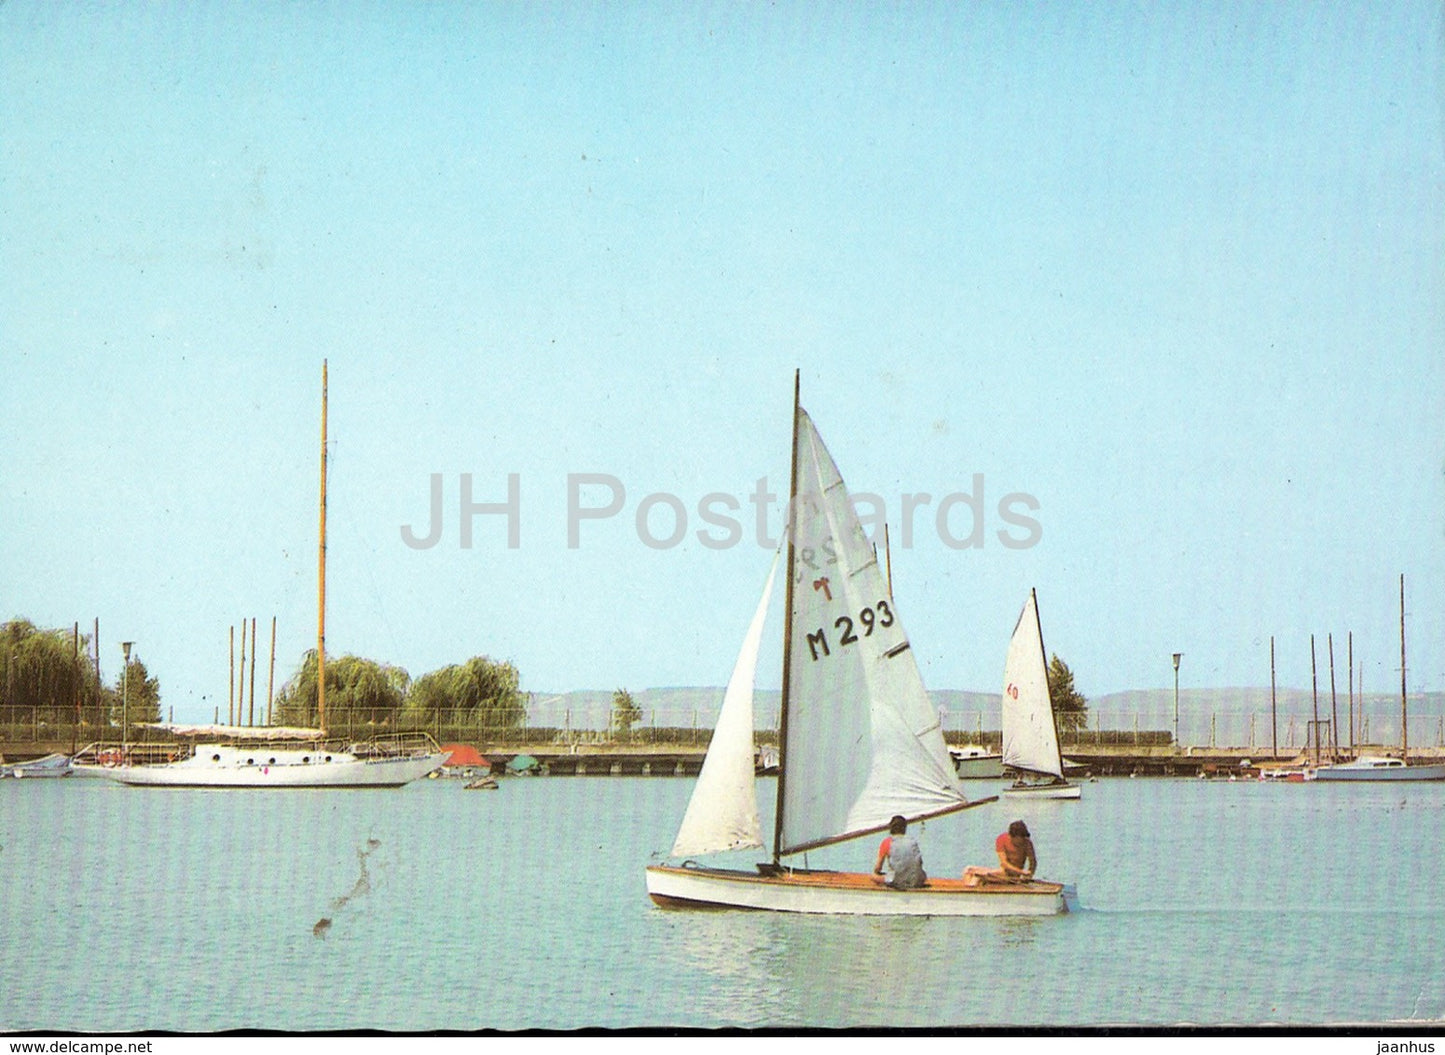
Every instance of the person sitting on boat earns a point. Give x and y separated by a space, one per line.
901 853
1016 859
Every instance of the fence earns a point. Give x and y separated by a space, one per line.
692 729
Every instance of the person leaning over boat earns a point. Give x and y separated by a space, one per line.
901 853
1016 859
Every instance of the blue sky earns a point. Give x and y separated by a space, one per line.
1174 271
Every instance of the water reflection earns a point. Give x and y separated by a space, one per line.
783 969
530 912
1021 933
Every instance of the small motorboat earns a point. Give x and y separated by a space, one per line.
53 765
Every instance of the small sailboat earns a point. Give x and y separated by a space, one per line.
1030 733
270 757
860 741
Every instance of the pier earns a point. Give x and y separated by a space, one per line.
674 760
1100 761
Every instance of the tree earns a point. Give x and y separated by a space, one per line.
481 693
1071 708
359 691
625 713
141 699
45 673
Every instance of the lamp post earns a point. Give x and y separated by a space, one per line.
125 698
1176 698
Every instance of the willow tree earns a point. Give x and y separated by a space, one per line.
359 691
482 694
47 676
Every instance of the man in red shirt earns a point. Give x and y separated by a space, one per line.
1016 859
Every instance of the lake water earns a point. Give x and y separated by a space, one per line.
1208 902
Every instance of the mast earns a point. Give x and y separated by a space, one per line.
271 678
1350 662
888 559
321 575
251 715
787 630
1273 712
1315 692
1404 714
99 706
79 682
231 688
241 681
1044 658
1334 713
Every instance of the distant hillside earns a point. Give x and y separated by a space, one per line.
1228 717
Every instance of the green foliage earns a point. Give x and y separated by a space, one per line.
1071 708
45 674
142 696
481 693
625 713
358 692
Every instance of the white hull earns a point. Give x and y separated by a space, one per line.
1351 772
846 893
49 766
1043 791
978 767
225 766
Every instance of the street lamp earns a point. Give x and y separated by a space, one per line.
125 697
1176 698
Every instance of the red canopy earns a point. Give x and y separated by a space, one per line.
464 755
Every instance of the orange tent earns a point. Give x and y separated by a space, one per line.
464 755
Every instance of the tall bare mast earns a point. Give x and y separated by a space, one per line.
321 574
1404 713
271 677
1315 682
1334 711
1350 652
1273 712
231 688
251 714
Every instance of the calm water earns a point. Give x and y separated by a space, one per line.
1204 901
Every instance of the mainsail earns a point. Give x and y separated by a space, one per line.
723 811
1030 739
861 738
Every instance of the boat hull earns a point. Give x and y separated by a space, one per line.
275 769
978 767
1043 791
49 766
1332 774
845 893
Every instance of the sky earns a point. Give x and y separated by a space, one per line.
1154 291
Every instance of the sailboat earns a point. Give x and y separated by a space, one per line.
1030 733
860 741
1377 767
216 756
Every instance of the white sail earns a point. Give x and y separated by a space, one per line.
862 740
723 811
1030 740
